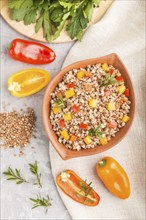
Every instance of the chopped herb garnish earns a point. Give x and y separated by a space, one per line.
14 175
109 80
60 103
41 201
97 132
86 188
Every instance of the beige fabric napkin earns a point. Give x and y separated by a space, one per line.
121 31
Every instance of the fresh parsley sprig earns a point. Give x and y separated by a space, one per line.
14 175
34 169
60 103
53 16
41 201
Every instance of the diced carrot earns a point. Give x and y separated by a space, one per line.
73 138
88 87
88 74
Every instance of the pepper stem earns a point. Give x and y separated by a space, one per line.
9 46
102 163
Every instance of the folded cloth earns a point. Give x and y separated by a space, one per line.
121 30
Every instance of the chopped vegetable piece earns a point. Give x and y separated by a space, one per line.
106 92
121 89
103 141
83 126
125 118
93 103
69 93
70 85
109 80
67 116
114 177
56 110
73 138
126 92
80 74
88 87
64 134
75 108
111 106
105 66
111 70
77 189
112 124
119 79
61 123
87 140
88 74
27 82
31 52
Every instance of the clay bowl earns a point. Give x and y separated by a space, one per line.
65 153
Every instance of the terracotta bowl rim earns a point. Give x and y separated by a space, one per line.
60 148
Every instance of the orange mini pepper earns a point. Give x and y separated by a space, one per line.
114 177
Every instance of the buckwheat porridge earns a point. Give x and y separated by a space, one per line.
89 106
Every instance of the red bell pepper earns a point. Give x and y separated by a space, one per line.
111 71
83 126
75 108
70 85
30 52
61 123
119 78
126 92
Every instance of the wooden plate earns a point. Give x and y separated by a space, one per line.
29 30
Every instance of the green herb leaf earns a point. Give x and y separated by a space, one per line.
41 201
14 175
34 169
109 79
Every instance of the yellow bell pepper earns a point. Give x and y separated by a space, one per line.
67 116
80 74
111 106
64 134
27 82
56 110
87 140
103 141
125 118
121 89
104 66
69 93
92 103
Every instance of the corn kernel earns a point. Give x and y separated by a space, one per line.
67 116
103 141
92 103
125 118
69 93
111 106
121 89
64 134
80 74
56 110
87 140
104 66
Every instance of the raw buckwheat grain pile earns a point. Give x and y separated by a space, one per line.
89 106
16 128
